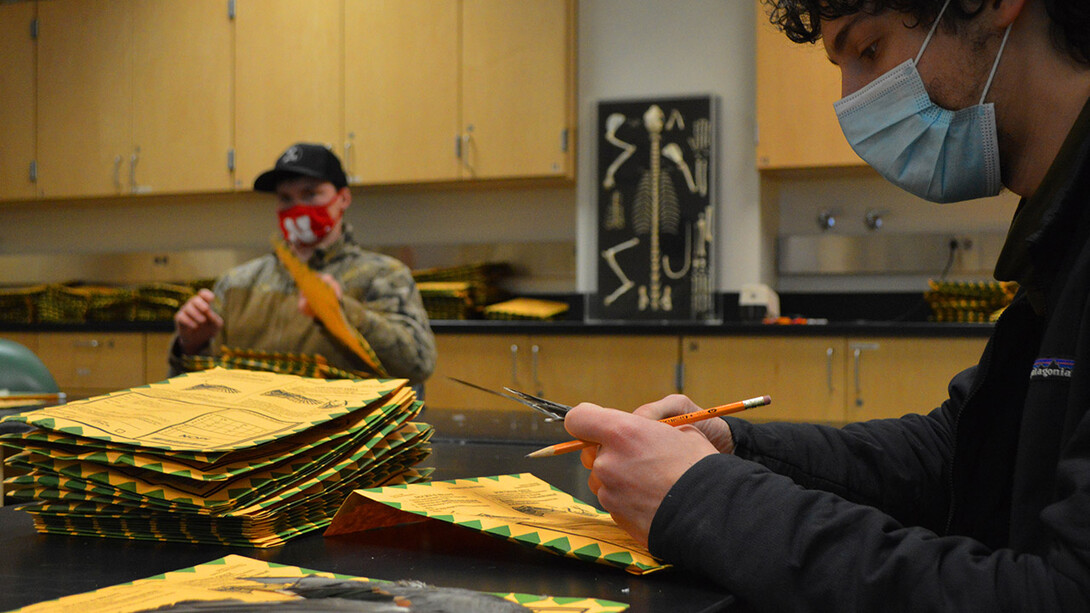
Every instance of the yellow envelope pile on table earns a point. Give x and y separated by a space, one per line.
219 456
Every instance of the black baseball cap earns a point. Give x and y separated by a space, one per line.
303 159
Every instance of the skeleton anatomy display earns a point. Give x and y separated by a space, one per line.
655 210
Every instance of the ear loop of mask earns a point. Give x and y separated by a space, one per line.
995 64
930 33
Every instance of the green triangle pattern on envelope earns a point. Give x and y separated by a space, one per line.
532 538
590 552
560 544
504 531
622 558
473 523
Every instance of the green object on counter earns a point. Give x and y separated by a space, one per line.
23 372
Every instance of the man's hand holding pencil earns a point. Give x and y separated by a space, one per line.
635 459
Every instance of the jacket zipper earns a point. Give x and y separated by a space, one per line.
983 367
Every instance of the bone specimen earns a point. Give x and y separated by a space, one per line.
701 144
688 258
615 216
613 122
673 153
610 256
701 283
676 121
656 208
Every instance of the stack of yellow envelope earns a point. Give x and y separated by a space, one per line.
219 456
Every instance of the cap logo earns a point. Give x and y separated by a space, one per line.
293 154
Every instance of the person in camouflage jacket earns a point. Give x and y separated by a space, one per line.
257 306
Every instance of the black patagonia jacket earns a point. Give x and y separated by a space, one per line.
981 505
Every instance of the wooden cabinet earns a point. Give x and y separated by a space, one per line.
26 339
622 372
796 89
401 86
289 71
489 360
156 350
804 376
125 97
18 100
615 371
182 96
889 377
832 379
89 363
133 97
826 379
518 74
84 97
459 89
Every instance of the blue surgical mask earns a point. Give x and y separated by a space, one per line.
935 153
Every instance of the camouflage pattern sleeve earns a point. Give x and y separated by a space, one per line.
381 300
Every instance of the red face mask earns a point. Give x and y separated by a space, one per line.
307 224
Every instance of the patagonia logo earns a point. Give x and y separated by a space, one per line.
1052 368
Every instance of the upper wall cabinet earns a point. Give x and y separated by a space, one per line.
796 89
84 97
438 90
119 97
401 88
17 100
289 74
133 97
518 75
182 91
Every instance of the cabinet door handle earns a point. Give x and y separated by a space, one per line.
117 172
514 364
133 159
857 357
350 157
464 149
534 349
829 368
857 354
92 344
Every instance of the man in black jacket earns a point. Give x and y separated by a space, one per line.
983 504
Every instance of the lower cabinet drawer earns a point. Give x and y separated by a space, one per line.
88 363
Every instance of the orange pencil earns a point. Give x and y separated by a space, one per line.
676 420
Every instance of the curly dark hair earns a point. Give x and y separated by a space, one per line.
800 20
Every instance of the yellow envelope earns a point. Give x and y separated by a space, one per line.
323 301
520 508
